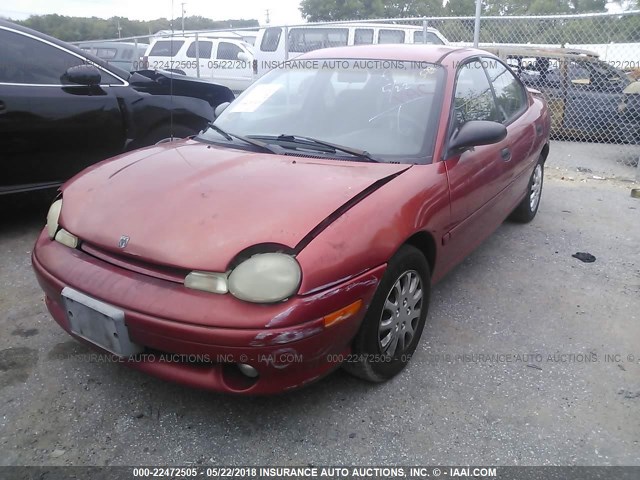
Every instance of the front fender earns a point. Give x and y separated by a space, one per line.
368 234
144 111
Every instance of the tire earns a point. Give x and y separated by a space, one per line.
528 207
165 133
374 357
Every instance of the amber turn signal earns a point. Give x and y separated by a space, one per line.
342 314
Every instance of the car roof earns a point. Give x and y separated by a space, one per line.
411 52
363 25
72 48
201 36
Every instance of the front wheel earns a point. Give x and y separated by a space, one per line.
392 326
528 207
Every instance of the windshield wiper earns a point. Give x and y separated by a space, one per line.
230 136
315 143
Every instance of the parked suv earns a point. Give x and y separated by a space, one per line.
223 60
125 55
62 109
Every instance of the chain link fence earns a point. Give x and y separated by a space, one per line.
587 66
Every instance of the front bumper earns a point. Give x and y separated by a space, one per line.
287 343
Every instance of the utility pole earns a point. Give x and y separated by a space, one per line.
476 27
183 12
119 29
267 13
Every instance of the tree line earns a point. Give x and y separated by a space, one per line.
330 10
596 30
554 31
75 29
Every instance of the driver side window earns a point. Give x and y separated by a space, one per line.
473 99
31 61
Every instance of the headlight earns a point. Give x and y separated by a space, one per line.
265 278
52 218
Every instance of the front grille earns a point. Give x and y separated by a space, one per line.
162 272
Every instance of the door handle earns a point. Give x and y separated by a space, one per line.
505 153
3 106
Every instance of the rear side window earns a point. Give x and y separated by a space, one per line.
271 39
473 99
29 61
228 51
204 49
166 48
308 39
106 53
432 38
363 36
391 36
510 95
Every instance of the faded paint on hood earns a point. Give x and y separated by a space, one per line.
196 206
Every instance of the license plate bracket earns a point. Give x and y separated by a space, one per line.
98 323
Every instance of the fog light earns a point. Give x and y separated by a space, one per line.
248 370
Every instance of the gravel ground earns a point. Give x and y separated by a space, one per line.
562 401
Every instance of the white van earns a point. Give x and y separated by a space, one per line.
271 49
225 61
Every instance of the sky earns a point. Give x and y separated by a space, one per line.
280 11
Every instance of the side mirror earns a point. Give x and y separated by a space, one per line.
83 75
220 108
244 57
478 132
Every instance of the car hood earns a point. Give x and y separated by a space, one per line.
160 82
194 206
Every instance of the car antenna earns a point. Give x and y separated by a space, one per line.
171 77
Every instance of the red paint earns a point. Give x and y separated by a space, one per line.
190 206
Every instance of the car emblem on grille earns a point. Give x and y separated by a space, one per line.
124 241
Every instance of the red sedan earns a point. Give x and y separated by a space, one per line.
303 230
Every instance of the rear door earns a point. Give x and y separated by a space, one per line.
50 130
202 51
163 54
230 70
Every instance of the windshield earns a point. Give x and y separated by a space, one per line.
388 109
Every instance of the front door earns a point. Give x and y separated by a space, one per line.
50 130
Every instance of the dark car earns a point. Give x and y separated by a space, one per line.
62 109
305 227
589 99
